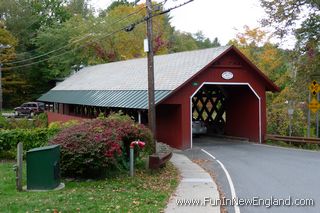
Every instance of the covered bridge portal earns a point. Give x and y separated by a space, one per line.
219 86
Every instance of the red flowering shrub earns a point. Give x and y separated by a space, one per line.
90 148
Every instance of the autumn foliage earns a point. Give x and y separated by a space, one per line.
92 148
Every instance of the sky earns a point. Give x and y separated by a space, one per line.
215 18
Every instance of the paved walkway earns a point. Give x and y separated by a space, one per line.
195 184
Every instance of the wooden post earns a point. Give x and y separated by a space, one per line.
151 110
309 115
131 161
19 166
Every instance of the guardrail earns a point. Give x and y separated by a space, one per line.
293 139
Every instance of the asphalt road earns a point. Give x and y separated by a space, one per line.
262 171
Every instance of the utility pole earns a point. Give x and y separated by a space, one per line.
1 100
152 110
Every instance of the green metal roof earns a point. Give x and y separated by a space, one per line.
134 99
124 84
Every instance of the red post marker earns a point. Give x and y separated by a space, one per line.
139 143
132 144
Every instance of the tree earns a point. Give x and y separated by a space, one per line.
216 42
118 3
285 14
26 20
79 7
182 41
13 83
203 42
255 44
6 38
309 32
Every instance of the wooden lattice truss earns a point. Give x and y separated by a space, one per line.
208 105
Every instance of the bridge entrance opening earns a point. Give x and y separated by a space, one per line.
227 110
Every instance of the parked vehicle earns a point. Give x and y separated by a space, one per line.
198 128
29 109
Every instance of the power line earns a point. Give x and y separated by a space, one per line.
63 47
55 56
175 7
48 53
126 28
41 55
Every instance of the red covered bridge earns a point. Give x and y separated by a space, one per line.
219 86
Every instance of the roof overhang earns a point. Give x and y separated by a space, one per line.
133 99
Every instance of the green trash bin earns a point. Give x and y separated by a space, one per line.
43 168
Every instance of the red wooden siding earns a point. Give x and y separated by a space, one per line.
169 124
243 108
54 116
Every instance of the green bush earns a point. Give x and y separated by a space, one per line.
31 132
41 120
31 138
95 147
278 122
38 121
4 123
21 123
63 125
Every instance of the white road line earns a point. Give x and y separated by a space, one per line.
208 154
233 191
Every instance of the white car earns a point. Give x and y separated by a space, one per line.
198 128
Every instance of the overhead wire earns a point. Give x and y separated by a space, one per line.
132 25
41 55
65 46
96 39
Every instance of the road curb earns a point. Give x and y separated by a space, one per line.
195 184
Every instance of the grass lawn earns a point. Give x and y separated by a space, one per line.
146 192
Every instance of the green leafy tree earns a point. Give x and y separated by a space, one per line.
203 42
181 41
25 19
68 39
79 7
6 38
285 14
13 83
